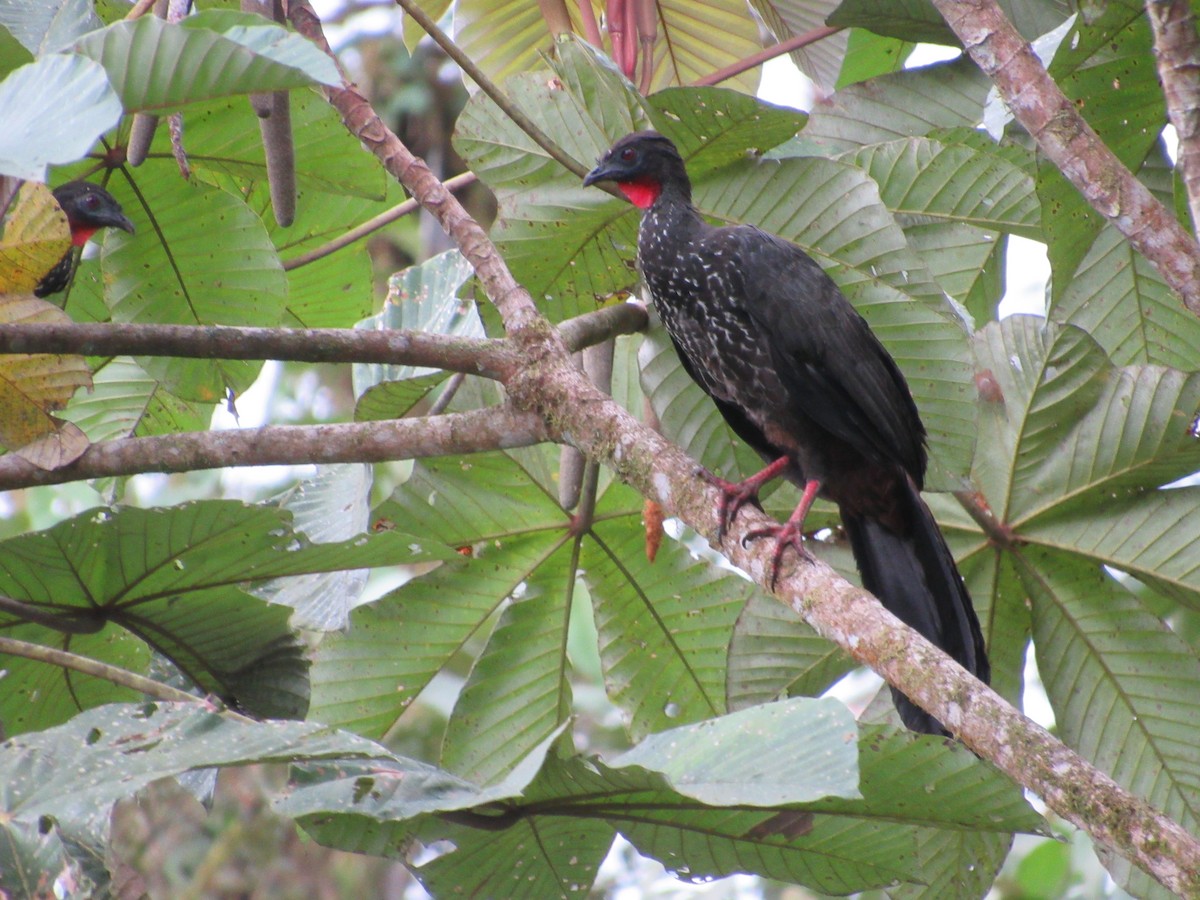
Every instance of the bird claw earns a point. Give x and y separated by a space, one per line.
786 535
734 495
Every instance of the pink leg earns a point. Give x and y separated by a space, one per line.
791 532
736 494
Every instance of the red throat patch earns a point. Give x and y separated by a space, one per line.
640 193
80 234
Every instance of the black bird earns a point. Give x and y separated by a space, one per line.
89 208
800 377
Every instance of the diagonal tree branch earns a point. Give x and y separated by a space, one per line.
1177 49
852 618
367 442
1071 144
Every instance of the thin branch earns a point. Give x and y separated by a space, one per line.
571 406
489 358
486 85
372 225
499 427
512 301
1072 146
1177 49
114 674
757 59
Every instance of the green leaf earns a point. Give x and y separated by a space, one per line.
774 653
48 26
105 754
1106 67
663 626
207 260
330 507
958 182
171 577
748 758
1122 685
518 692
158 66
909 103
907 20
126 402
421 298
870 55
821 60
84 106
507 39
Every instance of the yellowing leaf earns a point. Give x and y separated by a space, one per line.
33 385
35 237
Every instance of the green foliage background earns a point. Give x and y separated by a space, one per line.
541 643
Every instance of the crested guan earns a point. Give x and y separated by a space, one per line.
800 377
89 208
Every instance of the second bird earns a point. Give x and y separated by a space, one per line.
800 377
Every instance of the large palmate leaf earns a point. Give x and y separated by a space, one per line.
116 584
662 646
204 258
1124 689
905 104
821 61
695 37
156 65
792 807
83 101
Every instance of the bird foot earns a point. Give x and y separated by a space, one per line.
734 495
789 534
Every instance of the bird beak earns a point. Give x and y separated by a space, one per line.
602 172
114 219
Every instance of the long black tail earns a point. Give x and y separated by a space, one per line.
914 576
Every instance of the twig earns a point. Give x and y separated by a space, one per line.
486 85
1072 146
757 59
114 674
499 427
1177 49
370 226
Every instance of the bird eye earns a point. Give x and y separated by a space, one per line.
628 154
91 201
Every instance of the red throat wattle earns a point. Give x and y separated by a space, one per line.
80 234
640 193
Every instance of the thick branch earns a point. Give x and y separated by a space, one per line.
1071 144
489 358
1177 49
364 442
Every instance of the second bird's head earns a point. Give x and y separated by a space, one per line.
89 208
643 164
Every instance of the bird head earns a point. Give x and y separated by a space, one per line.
643 164
89 208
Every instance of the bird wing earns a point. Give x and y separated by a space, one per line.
826 356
